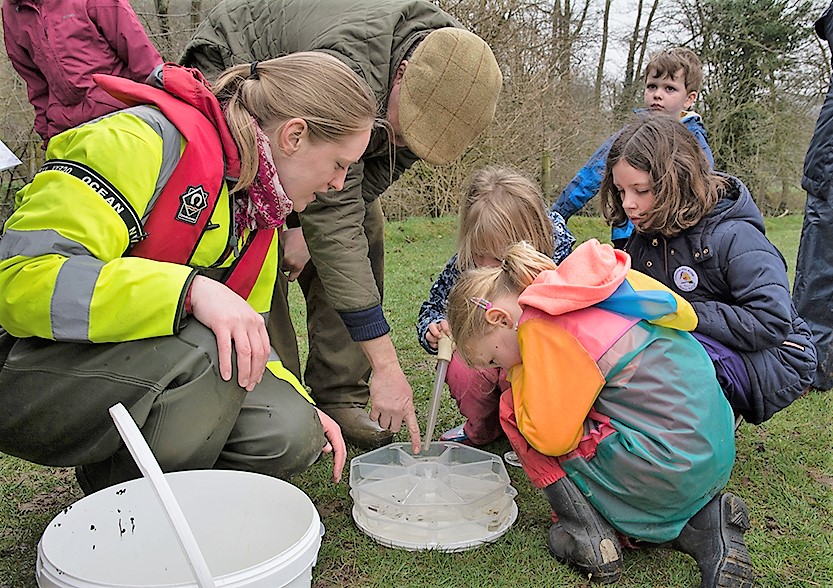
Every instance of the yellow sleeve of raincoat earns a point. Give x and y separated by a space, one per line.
554 387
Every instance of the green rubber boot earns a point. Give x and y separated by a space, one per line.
582 537
714 538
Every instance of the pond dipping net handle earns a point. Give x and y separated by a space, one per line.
445 347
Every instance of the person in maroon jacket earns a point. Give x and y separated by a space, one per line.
57 45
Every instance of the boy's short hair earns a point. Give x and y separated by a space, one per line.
670 61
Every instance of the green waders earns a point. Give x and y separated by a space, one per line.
54 401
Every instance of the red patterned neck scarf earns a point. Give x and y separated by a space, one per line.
264 205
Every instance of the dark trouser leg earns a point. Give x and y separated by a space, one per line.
56 396
581 536
337 370
277 432
813 284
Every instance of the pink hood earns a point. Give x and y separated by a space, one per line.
589 275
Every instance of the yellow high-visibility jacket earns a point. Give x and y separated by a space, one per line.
64 274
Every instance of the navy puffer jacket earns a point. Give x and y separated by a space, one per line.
736 280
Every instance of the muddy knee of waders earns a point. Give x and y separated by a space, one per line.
59 395
277 433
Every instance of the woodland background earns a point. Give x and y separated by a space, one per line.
572 76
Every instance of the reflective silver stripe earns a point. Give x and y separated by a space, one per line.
37 243
71 299
171 146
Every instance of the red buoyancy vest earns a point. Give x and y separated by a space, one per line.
181 213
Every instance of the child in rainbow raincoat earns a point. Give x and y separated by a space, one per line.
614 409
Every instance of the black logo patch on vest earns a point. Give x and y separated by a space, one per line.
191 204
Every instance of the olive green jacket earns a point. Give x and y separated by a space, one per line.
371 37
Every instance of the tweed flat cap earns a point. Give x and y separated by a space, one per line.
448 94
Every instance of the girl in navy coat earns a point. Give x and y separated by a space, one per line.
700 233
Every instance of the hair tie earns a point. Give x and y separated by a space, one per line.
253 70
481 302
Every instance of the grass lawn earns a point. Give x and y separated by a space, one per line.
783 471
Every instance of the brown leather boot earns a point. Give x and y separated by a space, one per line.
357 427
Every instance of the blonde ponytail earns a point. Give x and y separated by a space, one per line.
466 316
277 90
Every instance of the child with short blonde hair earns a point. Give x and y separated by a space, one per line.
614 410
500 207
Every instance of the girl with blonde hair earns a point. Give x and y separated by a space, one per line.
500 207
139 263
614 410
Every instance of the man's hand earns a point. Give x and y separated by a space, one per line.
233 321
295 253
335 444
391 397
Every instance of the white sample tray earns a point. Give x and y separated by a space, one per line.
450 497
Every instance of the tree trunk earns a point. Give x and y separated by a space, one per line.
645 34
196 11
597 88
162 10
546 176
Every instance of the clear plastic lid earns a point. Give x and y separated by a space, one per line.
450 497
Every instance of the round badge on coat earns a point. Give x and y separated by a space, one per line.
686 278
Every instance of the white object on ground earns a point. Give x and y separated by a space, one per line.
253 530
143 456
511 458
449 497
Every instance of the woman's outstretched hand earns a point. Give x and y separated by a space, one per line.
335 444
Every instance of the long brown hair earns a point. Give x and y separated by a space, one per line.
314 86
682 180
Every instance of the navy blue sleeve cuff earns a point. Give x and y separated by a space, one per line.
365 325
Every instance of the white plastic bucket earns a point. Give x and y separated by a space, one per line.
253 530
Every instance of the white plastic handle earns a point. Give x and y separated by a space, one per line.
149 467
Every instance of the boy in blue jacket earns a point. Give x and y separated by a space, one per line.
672 82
